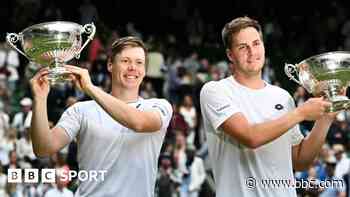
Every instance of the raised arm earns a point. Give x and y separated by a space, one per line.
45 141
130 117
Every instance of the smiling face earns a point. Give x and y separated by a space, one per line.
245 49
127 63
247 52
128 67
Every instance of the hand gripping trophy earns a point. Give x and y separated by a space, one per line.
52 44
326 74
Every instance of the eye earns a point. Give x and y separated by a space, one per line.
140 63
241 47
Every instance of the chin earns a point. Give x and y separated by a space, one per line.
131 86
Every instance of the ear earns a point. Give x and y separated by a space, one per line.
229 55
109 66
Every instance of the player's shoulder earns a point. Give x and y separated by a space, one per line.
87 103
156 101
83 105
214 87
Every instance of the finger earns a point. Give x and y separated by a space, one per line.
77 84
45 79
327 104
71 76
72 68
321 98
74 71
41 72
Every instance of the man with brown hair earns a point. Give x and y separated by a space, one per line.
252 126
120 133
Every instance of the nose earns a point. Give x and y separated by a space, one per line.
132 66
250 50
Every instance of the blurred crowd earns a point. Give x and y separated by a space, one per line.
179 64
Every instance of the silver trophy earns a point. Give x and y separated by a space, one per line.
326 74
52 44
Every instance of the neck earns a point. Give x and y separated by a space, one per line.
253 81
125 94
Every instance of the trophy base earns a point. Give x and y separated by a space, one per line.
58 75
339 105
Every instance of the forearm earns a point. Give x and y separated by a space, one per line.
39 130
263 133
312 144
121 112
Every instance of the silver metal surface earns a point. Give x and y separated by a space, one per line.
52 44
326 74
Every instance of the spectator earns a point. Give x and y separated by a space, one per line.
3 182
59 189
188 111
338 186
196 175
4 121
22 119
167 180
154 72
24 149
7 145
342 161
147 90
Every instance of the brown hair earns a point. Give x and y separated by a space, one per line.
236 25
130 41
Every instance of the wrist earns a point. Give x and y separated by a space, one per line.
325 121
297 112
90 89
39 99
330 117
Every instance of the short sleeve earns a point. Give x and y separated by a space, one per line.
295 134
70 121
217 106
165 110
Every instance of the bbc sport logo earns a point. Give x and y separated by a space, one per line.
48 175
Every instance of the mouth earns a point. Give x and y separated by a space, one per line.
255 60
131 78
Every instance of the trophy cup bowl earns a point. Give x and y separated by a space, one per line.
326 74
52 44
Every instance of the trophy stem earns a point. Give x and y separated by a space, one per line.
57 73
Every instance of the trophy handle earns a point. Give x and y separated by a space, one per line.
12 38
88 29
289 69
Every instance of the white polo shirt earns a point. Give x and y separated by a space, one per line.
129 158
235 166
